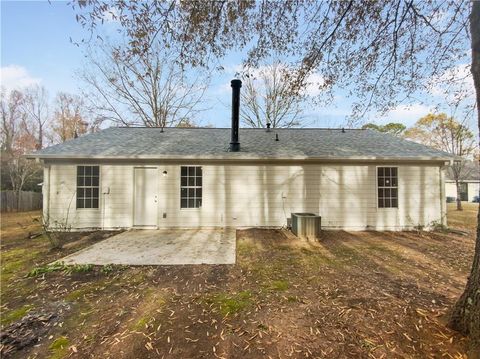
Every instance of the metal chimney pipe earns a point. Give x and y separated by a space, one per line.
236 85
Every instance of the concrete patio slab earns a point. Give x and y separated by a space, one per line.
161 247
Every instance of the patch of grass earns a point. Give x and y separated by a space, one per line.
149 309
292 299
76 294
316 259
276 266
394 269
82 312
231 303
397 263
91 287
138 276
17 225
264 271
279 285
59 347
14 260
244 248
141 324
385 251
347 254
60 266
16 314
16 254
462 219
12 266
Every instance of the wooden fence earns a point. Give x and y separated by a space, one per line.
29 201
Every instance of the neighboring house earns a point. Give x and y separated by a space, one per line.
197 177
469 184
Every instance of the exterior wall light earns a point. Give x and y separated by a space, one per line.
164 173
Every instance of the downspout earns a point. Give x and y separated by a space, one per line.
103 211
443 199
46 210
103 192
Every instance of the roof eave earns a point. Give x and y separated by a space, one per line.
237 157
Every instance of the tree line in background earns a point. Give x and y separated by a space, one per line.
31 122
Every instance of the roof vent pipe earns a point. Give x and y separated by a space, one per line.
276 137
268 126
234 144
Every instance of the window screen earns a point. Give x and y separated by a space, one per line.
191 187
387 184
88 186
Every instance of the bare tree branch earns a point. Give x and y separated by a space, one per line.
149 90
267 98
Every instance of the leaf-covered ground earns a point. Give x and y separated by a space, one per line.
366 294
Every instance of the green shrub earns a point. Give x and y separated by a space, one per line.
60 266
78 268
35 272
109 268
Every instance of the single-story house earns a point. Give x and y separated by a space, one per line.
199 177
469 184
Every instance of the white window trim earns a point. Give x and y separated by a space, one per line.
398 188
189 209
100 195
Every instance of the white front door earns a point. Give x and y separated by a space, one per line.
146 197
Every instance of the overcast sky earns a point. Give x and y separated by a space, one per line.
36 49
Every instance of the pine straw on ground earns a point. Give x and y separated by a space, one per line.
367 294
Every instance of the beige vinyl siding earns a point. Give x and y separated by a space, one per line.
450 189
118 203
345 195
265 195
62 201
473 189
419 200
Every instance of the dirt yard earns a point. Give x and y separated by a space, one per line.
367 294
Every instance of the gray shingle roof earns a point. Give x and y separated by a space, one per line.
213 143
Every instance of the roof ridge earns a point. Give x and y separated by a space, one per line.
256 143
244 128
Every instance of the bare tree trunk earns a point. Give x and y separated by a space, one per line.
40 135
466 313
459 197
17 199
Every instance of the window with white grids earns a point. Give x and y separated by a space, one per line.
387 187
88 178
191 187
